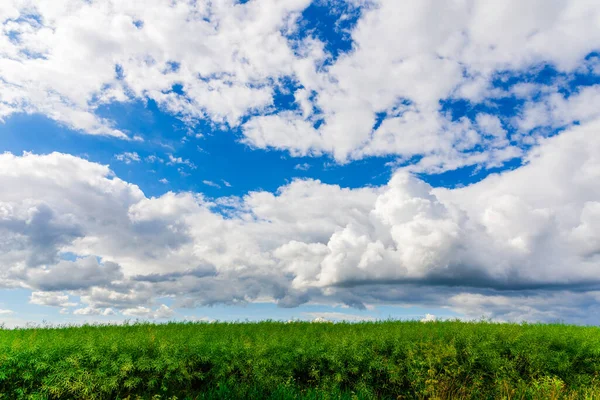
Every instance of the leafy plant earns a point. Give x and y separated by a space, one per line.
301 360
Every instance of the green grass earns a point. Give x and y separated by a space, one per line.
395 360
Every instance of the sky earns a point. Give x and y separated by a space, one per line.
296 159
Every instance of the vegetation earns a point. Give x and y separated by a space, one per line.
395 360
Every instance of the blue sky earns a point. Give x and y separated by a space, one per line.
297 159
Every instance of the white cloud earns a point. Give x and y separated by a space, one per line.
128 157
302 167
286 131
152 159
211 183
164 181
429 318
193 318
162 312
69 275
227 59
449 51
235 48
327 316
555 110
527 232
558 306
53 299
178 160
94 311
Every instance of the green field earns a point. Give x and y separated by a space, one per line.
395 360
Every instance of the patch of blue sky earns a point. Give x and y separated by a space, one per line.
509 106
119 72
260 311
34 20
503 107
547 74
172 66
284 100
14 36
41 135
218 155
465 176
29 17
17 301
506 108
283 95
542 74
69 256
331 22
178 89
138 23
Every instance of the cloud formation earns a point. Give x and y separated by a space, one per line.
223 54
226 61
526 238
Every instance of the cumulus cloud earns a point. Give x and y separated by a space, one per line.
224 62
452 51
123 51
429 318
161 312
520 237
558 306
53 299
554 110
94 311
81 274
33 231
